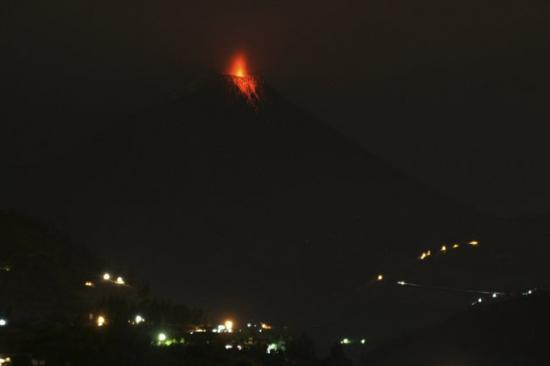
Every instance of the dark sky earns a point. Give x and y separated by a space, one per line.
454 92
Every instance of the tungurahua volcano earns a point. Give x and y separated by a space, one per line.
243 80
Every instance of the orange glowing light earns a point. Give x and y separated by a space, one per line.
238 68
242 79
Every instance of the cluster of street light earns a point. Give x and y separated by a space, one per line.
101 320
445 248
348 341
118 281
429 253
107 277
228 327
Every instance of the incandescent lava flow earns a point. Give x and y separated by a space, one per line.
245 82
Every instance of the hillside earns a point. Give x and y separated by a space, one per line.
510 332
207 189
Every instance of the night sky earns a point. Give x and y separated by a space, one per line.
453 93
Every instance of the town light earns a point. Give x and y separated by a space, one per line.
345 341
3 322
228 326
89 284
106 276
380 277
4 360
474 243
363 341
120 281
139 319
443 248
455 246
266 326
162 337
101 321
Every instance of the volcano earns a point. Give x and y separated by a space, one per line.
246 208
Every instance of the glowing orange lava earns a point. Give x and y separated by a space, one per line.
238 68
245 82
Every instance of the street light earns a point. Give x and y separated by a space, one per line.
229 326
139 319
100 321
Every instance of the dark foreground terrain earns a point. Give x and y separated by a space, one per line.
509 332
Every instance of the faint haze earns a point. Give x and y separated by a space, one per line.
453 92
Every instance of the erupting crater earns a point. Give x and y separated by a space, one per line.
245 82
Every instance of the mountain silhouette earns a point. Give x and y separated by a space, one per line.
245 207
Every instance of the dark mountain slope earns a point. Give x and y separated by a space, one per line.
244 207
41 272
511 332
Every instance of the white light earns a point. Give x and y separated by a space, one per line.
239 347
228 346
479 300
229 326
271 348
401 283
495 295
363 341
4 360
106 276
249 324
139 319
3 322
100 321
345 341
162 337
120 281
